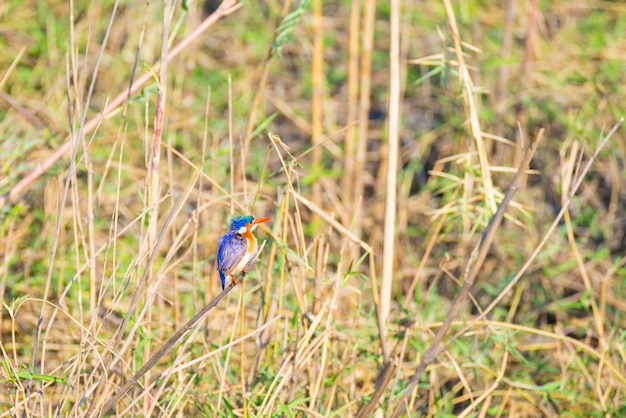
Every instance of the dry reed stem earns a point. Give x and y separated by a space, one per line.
369 23
568 170
572 191
115 351
393 127
242 363
428 357
153 181
317 85
353 101
9 71
481 250
71 62
470 102
225 367
487 393
317 95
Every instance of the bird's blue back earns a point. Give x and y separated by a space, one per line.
232 247
230 250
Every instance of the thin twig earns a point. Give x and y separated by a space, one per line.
574 188
481 250
29 116
165 348
73 144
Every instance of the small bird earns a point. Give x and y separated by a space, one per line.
236 248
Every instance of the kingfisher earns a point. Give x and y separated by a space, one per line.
236 248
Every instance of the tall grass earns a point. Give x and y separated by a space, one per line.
422 259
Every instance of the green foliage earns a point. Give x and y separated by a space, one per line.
572 83
287 25
24 373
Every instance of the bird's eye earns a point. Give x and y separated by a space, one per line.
241 230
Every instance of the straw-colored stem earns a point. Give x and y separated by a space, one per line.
353 102
72 143
472 109
393 123
474 265
317 77
369 20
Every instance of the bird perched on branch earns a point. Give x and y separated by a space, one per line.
237 247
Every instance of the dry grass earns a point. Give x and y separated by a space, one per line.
132 132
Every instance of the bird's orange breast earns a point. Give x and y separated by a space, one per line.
251 239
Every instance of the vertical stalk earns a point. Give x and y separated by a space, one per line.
353 102
316 132
393 123
316 99
242 352
231 151
369 20
472 108
154 181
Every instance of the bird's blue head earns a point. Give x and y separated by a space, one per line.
240 222
243 224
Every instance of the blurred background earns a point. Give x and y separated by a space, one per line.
282 109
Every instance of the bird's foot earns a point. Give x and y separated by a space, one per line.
243 274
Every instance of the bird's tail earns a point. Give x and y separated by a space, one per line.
223 278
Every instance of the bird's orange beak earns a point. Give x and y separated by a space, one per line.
260 220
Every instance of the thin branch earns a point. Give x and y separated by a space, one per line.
574 188
482 248
165 348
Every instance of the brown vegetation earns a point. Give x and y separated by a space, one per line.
130 133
